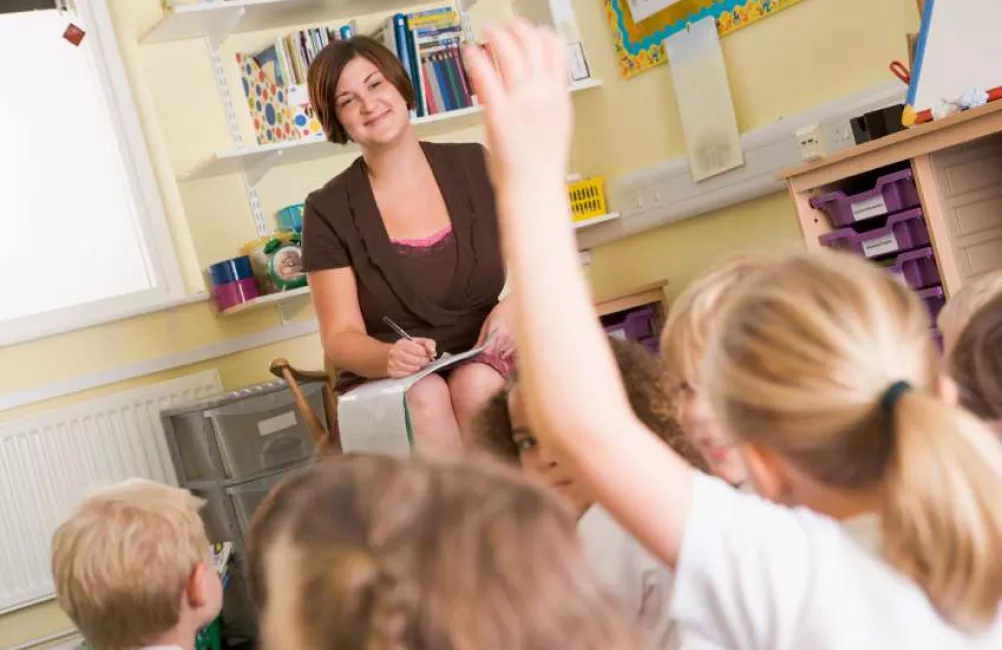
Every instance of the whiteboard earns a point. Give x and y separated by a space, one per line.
959 49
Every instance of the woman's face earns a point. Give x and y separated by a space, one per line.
702 428
371 109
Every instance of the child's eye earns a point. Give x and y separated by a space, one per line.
376 84
345 102
525 444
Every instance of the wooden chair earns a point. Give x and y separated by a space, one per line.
324 432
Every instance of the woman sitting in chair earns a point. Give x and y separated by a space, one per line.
408 232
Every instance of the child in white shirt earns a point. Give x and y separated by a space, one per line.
133 568
683 342
641 582
823 369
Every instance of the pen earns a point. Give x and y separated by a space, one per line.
396 328
401 332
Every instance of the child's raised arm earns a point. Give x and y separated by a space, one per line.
573 393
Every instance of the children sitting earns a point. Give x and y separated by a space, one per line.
959 308
404 554
976 364
683 342
133 569
822 368
642 583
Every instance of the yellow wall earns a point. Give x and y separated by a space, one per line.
814 52
811 53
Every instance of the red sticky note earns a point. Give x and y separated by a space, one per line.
74 34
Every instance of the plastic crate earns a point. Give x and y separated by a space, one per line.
904 231
916 269
934 299
892 193
635 325
587 198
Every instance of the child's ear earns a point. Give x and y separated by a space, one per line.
767 472
197 588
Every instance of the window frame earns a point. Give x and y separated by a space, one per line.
168 285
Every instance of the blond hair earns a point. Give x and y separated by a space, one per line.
122 560
687 328
416 553
960 307
804 363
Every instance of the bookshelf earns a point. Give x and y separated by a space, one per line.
218 19
255 161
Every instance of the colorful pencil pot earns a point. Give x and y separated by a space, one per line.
233 282
277 261
291 217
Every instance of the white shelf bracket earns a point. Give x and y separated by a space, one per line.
220 24
256 171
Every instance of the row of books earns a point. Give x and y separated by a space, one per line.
288 58
428 44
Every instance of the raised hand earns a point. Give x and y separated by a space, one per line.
527 103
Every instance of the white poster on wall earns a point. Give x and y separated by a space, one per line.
704 100
642 9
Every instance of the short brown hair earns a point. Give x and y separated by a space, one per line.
326 69
976 362
962 305
417 553
644 381
123 559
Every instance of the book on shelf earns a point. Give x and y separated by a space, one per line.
428 45
287 60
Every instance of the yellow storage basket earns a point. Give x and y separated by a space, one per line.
587 198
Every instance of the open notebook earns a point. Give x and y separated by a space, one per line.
374 417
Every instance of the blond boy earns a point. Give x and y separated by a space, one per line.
958 310
132 568
683 341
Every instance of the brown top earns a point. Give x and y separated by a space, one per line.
448 302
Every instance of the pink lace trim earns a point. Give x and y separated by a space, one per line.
426 242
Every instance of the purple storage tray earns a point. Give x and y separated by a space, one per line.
934 299
652 344
637 325
893 193
917 269
904 231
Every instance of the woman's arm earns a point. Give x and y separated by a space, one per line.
343 334
574 395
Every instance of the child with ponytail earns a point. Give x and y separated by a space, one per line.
822 369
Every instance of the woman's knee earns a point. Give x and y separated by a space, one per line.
430 396
471 386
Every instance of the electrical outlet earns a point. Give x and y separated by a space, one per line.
811 142
839 135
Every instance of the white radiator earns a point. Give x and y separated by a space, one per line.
50 462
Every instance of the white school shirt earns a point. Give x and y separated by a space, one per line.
753 575
641 583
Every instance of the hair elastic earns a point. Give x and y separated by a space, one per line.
892 395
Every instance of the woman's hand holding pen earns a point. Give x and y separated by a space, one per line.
408 356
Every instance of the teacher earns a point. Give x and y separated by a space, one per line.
409 232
